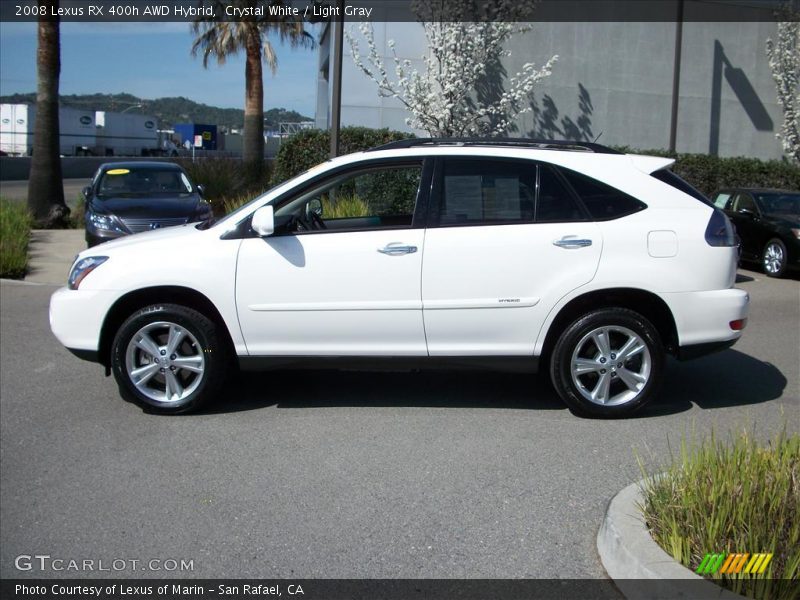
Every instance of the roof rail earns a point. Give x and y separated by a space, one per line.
575 146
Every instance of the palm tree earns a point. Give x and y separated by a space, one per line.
223 39
45 188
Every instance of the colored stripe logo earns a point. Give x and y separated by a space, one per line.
754 564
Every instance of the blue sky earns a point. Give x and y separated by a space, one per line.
151 60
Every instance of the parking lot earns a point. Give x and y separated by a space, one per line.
350 475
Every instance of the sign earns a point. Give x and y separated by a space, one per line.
198 141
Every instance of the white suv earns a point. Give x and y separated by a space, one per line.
513 254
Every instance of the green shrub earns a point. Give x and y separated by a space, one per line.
15 233
227 180
344 206
78 214
232 203
709 173
311 147
740 496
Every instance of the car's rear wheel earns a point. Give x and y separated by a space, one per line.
774 258
608 363
168 358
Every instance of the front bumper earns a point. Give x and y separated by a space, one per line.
76 318
98 236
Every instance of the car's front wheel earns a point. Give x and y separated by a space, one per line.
168 358
774 258
608 363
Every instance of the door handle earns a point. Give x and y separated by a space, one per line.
397 248
571 242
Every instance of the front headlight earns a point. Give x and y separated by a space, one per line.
106 223
82 268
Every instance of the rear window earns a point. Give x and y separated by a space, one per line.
668 177
602 201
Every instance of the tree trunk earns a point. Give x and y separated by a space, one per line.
253 142
45 186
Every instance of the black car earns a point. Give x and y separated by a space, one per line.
768 224
131 197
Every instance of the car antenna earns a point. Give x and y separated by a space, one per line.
598 137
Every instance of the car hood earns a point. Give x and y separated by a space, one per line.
152 207
169 236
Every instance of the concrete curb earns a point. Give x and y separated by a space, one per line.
637 564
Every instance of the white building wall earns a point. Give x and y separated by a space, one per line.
612 80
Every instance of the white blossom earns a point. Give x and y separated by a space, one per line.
784 60
442 97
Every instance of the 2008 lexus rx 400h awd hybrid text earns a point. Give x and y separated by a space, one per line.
515 254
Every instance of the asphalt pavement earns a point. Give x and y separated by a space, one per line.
350 475
18 190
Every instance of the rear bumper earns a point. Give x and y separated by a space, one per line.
703 319
698 350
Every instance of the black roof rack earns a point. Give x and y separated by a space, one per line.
574 146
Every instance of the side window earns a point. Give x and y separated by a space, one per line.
475 192
602 201
744 202
721 200
377 198
556 203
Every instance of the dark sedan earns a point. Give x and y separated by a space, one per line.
768 223
131 197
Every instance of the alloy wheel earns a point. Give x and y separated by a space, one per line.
164 361
610 365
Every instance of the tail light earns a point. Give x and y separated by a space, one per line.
738 324
719 231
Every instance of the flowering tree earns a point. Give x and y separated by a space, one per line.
443 98
784 60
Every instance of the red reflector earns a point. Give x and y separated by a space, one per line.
738 324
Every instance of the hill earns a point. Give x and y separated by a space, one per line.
168 110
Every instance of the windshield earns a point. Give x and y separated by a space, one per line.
776 203
143 182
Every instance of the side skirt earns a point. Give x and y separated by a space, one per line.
509 364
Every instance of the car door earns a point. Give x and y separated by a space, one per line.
506 240
343 277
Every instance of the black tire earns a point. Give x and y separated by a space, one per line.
774 259
644 368
201 346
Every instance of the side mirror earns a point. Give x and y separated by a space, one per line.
201 190
747 212
263 221
87 191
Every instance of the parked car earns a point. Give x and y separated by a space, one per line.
131 197
768 223
516 255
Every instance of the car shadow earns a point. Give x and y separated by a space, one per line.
754 272
413 389
722 380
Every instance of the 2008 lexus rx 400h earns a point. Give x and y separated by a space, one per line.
514 254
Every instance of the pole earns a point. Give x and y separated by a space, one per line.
676 78
337 46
